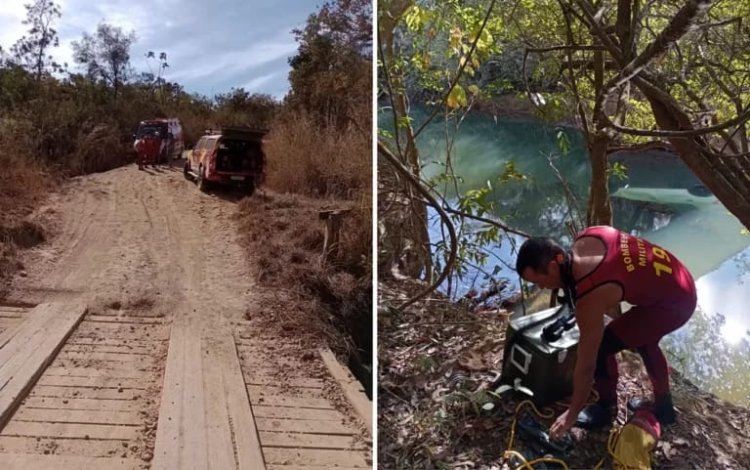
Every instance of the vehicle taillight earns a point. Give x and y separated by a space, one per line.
212 161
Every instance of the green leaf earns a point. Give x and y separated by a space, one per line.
404 122
457 97
563 142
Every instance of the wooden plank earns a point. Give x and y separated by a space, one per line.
284 382
10 332
11 329
289 402
236 445
304 426
66 462
82 404
130 418
115 342
261 411
18 304
110 368
10 315
134 374
111 330
108 394
8 308
307 441
103 381
180 433
205 420
266 390
31 445
308 467
104 356
315 457
248 359
11 344
255 376
122 319
71 430
20 372
122 326
78 348
351 386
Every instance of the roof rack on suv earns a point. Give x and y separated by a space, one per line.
237 131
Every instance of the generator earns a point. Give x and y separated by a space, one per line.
540 355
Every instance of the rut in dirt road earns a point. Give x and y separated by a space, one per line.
151 378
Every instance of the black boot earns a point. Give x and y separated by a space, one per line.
595 416
663 408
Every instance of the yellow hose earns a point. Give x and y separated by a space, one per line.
525 464
529 465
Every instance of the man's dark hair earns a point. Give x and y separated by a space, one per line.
536 253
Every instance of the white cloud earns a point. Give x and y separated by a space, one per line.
232 62
11 16
209 46
256 82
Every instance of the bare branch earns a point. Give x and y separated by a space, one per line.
739 119
719 24
479 218
567 47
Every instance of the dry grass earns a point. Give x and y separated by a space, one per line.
323 301
23 183
322 162
318 161
98 148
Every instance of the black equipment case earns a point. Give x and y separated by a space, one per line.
540 351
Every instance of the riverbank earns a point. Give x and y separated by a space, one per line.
437 361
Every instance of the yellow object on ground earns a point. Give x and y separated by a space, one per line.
631 447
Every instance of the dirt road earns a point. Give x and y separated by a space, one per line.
163 371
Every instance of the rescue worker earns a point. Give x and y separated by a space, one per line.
605 267
147 148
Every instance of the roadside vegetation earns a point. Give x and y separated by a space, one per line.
319 154
59 121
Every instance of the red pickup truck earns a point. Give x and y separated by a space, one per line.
228 156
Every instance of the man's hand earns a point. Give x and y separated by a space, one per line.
562 424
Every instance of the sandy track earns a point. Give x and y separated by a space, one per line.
140 238
158 263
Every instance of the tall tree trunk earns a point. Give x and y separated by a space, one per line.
599 208
418 259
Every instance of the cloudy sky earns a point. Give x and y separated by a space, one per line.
211 46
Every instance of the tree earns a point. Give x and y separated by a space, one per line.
629 67
330 76
106 55
31 50
239 107
430 51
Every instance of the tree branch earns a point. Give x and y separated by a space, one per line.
676 29
479 218
740 118
567 47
